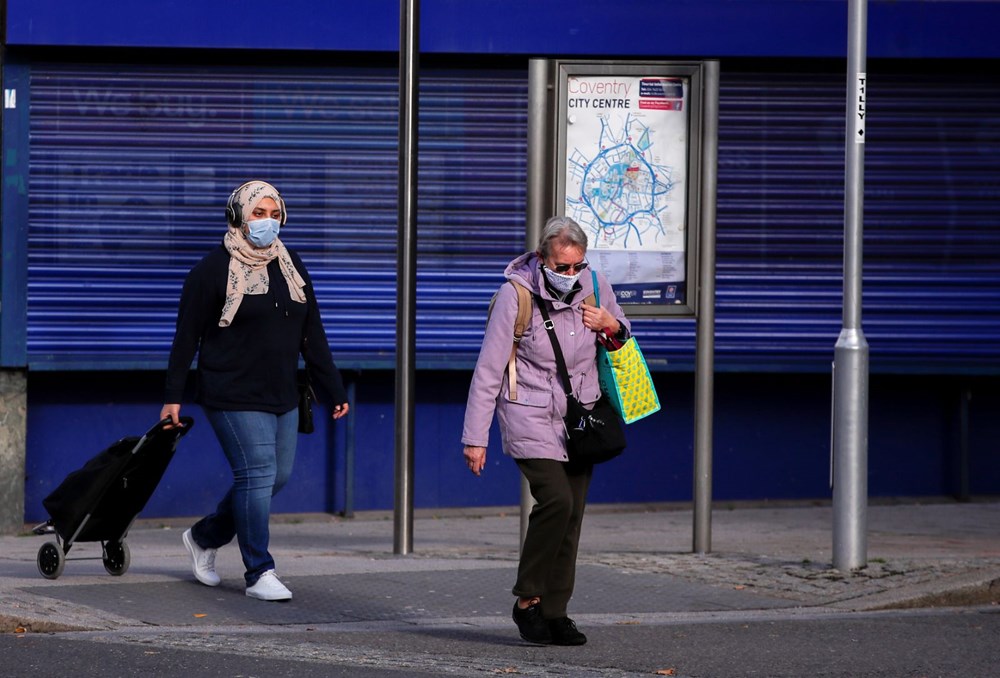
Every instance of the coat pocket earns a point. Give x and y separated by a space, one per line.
526 423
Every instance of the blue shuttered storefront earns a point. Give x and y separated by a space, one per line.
931 226
130 167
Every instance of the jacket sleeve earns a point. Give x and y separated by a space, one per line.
491 366
316 348
192 314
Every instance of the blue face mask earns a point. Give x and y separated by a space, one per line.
262 232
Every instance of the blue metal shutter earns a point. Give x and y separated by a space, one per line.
932 220
131 166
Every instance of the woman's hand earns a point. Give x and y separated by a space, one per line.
475 458
171 411
598 318
340 410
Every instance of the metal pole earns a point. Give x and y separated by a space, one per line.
850 368
409 50
705 349
539 195
350 445
540 104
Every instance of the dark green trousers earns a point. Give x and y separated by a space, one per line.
547 568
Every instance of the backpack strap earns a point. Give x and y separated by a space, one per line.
521 321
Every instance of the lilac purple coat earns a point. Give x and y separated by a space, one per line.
531 427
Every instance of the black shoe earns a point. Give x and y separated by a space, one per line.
564 632
529 622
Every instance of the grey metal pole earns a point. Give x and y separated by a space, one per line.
409 50
850 367
539 193
540 112
350 445
705 348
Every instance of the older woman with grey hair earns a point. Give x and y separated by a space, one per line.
530 403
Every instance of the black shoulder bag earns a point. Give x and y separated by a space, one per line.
307 396
592 436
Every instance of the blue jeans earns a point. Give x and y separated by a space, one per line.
260 447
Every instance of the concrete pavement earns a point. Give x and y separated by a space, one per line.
635 566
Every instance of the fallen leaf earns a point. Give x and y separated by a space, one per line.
667 672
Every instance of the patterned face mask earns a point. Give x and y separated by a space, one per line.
562 283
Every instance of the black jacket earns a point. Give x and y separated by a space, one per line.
252 364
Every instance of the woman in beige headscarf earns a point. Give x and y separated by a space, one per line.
248 310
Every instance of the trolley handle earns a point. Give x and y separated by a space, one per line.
185 425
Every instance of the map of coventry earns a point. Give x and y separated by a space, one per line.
617 191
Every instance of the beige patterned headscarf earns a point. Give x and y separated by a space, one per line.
247 263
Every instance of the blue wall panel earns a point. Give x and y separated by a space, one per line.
983 475
14 238
627 28
771 443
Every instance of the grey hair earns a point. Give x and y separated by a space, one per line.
561 230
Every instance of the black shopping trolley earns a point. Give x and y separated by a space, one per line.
100 501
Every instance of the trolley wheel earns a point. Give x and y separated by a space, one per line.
116 558
51 560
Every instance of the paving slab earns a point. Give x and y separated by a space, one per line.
635 562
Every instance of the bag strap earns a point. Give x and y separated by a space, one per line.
521 321
609 342
523 317
556 349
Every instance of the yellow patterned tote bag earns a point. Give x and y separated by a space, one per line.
626 382
624 376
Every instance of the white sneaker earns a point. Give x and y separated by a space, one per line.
268 587
202 561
